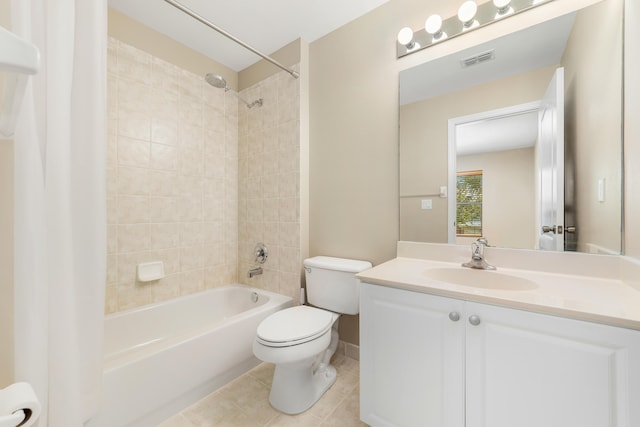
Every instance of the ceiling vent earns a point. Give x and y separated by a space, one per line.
479 58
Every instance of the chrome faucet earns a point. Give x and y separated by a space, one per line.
477 256
254 272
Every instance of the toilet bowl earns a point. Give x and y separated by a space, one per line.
301 340
298 342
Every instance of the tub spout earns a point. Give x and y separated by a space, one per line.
254 272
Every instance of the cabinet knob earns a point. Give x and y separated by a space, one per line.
454 315
474 320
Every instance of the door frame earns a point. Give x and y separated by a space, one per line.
477 117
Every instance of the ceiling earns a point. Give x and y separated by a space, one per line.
265 25
510 132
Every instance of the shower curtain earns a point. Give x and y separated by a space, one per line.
60 213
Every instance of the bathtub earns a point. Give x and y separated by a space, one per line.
161 358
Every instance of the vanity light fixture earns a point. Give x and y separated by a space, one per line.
469 17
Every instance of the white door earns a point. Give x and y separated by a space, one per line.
550 158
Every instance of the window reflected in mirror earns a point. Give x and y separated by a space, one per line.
469 204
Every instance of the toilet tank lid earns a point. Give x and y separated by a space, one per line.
338 264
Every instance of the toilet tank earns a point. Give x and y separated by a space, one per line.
332 285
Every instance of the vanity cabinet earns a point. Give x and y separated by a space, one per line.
433 361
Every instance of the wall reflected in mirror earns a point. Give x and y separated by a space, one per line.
516 70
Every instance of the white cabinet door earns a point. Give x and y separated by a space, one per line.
532 370
494 367
411 359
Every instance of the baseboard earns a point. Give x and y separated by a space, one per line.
349 350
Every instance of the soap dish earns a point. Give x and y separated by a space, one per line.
150 271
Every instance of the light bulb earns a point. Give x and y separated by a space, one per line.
467 12
405 37
503 6
433 24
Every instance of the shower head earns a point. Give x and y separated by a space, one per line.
219 82
216 81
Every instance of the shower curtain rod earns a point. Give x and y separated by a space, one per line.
211 25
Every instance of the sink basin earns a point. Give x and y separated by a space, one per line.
485 279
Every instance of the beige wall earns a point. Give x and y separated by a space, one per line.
593 105
354 125
6 241
288 56
632 129
508 208
424 149
354 122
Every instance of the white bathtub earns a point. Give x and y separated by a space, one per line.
161 358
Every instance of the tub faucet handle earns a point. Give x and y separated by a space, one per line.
261 253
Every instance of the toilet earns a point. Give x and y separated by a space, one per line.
301 340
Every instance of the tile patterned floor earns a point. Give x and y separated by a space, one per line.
245 403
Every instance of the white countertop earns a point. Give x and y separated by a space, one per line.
591 298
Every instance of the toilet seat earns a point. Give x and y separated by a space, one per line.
294 326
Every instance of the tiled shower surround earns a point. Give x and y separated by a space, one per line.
195 179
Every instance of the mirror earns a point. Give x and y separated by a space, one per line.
495 104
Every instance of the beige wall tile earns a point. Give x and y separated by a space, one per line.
166 288
271 210
163 209
164 75
163 183
133 238
164 131
289 184
112 56
164 236
132 181
134 124
192 281
133 209
268 177
181 165
191 233
163 157
112 269
191 258
133 96
133 63
112 239
112 148
133 152
112 209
